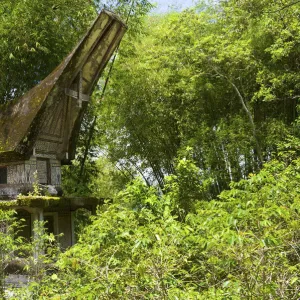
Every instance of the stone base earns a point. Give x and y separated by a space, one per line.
17 281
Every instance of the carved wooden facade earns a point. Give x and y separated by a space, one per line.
38 133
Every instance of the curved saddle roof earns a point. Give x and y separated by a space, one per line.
21 122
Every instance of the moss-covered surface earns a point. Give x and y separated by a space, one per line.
17 119
50 201
38 201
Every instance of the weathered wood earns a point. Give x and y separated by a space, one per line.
79 96
44 110
76 95
38 132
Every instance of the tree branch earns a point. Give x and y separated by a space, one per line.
248 113
282 8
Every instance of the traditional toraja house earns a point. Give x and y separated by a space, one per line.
38 132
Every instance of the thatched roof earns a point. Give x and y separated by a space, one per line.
21 120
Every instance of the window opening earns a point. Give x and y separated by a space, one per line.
3 175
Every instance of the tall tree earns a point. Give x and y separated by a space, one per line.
35 36
217 79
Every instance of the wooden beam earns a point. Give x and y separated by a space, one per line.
78 94
75 94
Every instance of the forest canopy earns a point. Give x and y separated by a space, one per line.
222 79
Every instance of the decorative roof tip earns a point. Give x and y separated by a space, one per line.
114 15
23 121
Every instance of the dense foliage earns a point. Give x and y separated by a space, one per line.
9 242
35 37
243 245
222 79
203 106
